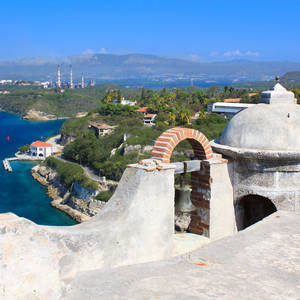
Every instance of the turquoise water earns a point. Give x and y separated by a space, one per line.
19 192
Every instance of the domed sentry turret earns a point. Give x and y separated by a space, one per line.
262 144
275 126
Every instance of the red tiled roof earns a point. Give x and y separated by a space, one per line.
101 125
252 94
142 109
41 144
232 100
149 115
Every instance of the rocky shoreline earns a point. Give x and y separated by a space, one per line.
36 115
80 210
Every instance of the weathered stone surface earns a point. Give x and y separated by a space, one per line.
264 127
261 262
135 226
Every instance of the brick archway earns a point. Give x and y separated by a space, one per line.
200 180
168 140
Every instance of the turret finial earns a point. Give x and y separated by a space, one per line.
277 78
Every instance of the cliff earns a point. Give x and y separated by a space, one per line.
39 116
78 202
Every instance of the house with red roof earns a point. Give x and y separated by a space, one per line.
149 119
252 94
101 129
41 149
142 110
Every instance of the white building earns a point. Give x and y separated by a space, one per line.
227 109
128 102
6 81
41 149
149 119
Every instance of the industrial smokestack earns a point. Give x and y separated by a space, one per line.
82 81
58 77
71 77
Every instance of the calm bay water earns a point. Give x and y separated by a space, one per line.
19 192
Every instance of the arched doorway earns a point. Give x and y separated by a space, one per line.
251 209
200 179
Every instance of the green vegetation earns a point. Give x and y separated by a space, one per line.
75 127
110 109
52 101
212 125
104 196
24 148
173 108
96 152
69 173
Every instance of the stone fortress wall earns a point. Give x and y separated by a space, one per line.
137 224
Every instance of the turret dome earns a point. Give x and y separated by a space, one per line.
272 126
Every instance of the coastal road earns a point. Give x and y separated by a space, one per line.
88 171
54 140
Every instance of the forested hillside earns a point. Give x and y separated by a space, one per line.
65 103
173 108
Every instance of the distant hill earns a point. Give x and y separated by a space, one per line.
289 80
140 66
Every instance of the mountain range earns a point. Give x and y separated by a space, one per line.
101 67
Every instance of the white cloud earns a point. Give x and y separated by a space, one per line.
194 57
88 52
232 53
103 51
250 53
237 52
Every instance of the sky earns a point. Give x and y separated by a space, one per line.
199 30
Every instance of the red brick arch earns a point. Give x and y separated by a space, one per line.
168 140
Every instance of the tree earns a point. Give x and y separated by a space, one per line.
184 117
172 118
172 97
107 99
143 95
119 96
24 148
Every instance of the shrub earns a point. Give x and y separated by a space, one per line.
104 196
24 148
70 172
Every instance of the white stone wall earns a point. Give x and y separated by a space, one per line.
222 216
135 226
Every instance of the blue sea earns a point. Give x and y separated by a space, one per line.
19 192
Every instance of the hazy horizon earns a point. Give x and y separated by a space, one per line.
64 59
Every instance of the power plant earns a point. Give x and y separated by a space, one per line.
64 84
71 77
82 81
58 77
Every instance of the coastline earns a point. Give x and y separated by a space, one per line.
57 202
35 115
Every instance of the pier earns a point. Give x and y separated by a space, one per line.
6 164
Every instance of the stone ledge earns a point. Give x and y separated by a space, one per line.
234 152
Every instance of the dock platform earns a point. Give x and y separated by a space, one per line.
6 165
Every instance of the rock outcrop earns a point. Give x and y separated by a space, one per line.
39 116
137 148
69 201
